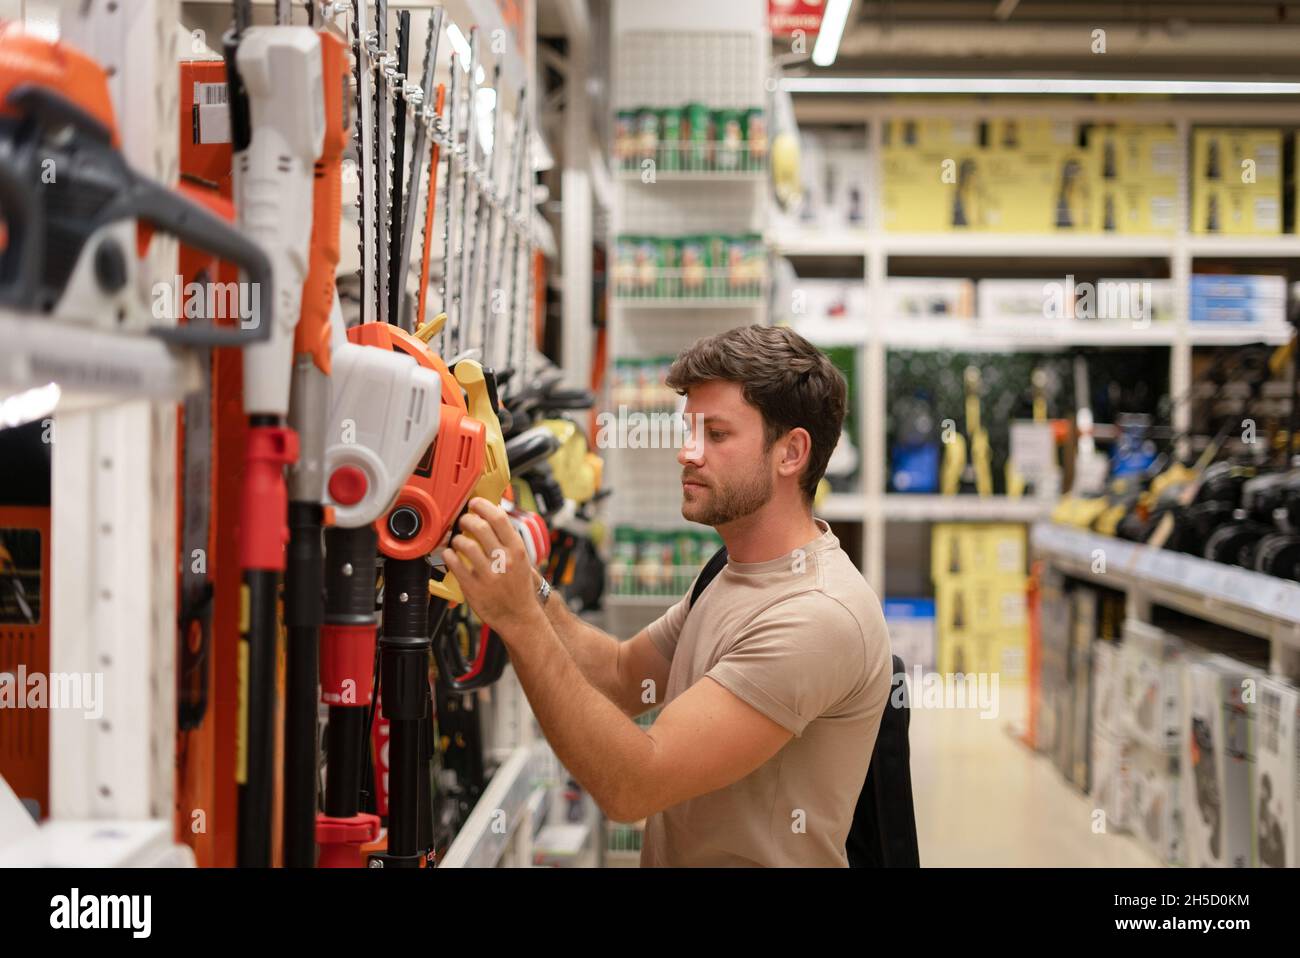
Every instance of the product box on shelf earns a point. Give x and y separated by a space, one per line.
1137 209
1084 628
932 132
1151 659
1243 311
1018 301
974 651
1236 181
929 298
1225 286
1137 153
979 548
1031 133
1110 787
1276 748
911 630
936 191
983 650
988 602
1236 156
1245 210
1107 690
1216 762
833 167
1119 300
821 304
1045 189
1154 812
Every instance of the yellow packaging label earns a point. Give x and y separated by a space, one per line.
245 613
1033 132
935 191
1237 157
1237 210
1136 153
241 737
1046 189
1148 209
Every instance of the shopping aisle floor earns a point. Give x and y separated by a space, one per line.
982 798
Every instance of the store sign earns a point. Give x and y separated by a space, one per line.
784 17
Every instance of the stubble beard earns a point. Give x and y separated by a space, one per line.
733 501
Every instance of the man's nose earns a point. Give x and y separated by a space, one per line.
692 451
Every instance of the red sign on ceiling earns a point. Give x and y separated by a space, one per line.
784 17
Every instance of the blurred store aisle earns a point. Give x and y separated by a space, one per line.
982 798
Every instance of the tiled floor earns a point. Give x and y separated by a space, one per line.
983 798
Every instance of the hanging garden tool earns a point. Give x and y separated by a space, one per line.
278 129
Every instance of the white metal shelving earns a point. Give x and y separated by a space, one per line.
721 62
900 507
878 249
1238 598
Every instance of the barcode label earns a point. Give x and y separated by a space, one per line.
210 94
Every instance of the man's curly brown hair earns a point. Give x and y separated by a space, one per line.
786 378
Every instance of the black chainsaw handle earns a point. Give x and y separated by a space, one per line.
23 261
195 226
458 674
140 198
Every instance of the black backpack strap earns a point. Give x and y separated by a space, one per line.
707 575
883 833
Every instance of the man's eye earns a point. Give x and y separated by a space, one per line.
717 436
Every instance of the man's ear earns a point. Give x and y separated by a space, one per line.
796 447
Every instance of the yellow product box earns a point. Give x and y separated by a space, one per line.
1139 208
977 548
1012 655
1001 549
983 652
1235 156
971 652
1042 190
935 191
953 550
932 132
994 604
1034 132
1137 153
1252 210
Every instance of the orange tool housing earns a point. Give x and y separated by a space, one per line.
442 482
27 59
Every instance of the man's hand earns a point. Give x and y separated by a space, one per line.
488 560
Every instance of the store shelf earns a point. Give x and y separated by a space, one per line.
807 242
478 844
1200 334
1256 247
681 302
1016 244
843 507
901 507
692 176
1238 598
850 332
641 601
963 335
907 332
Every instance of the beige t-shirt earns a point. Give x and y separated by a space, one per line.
802 639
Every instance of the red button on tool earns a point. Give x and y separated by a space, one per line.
347 485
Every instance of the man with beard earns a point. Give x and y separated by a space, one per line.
773 686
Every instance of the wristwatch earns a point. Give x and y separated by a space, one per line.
543 592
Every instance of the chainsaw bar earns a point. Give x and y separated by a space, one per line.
420 154
365 146
383 154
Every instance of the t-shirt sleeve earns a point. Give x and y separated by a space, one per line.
795 661
664 630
